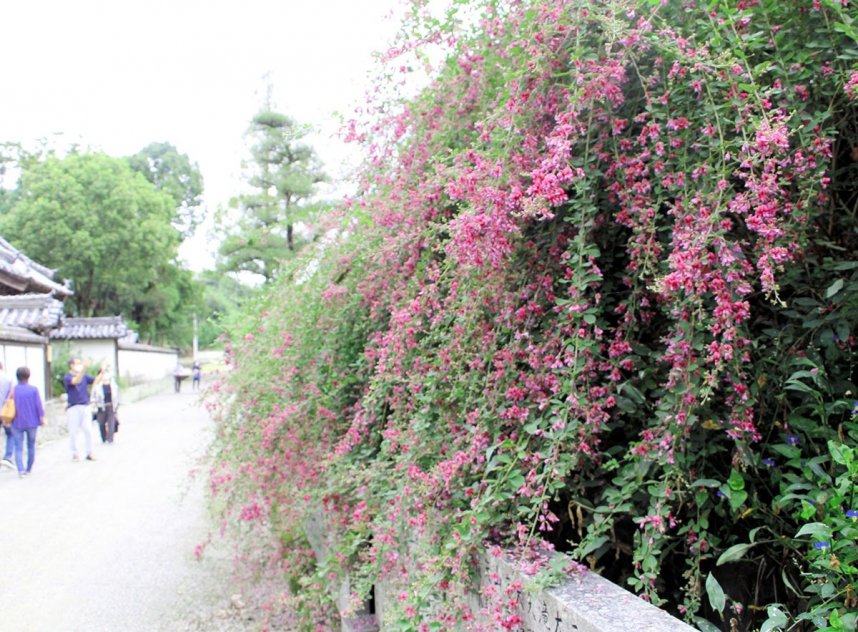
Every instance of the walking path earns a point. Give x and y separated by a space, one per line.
109 545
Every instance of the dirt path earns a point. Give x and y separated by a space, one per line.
109 545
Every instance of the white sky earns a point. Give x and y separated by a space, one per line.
116 75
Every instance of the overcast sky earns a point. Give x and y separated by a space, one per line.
116 75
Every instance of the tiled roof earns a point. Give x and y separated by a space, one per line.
18 334
19 273
136 346
91 328
38 312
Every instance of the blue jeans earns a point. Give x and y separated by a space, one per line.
10 443
18 434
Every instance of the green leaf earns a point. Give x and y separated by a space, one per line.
736 482
808 510
706 482
592 545
516 480
632 392
820 473
840 453
776 621
626 405
806 302
817 529
797 375
734 553
705 626
847 30
834 288
850 621
789 451
800 387
834 620
844 265
717 598
789 585
737 499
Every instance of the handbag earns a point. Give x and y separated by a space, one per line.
7 413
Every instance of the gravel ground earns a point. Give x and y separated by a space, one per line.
109 545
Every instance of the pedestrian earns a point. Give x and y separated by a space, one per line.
5 388
78 414
196 372
105 396
29 415
178 375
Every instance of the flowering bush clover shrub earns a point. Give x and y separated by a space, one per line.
595 295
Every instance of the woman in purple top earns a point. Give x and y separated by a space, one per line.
29 415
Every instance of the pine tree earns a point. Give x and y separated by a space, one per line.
284 173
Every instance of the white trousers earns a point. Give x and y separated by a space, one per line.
80 418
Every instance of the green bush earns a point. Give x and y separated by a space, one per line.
597 296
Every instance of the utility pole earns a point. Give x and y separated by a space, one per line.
196 339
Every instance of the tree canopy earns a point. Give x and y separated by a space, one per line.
174 174
223 298
107 229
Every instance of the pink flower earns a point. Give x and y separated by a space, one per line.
771 137
851 87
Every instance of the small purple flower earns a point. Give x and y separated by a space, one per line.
792 440
770 462
720 494
852 513
855 408
822 546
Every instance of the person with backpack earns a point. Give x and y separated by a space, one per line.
29 415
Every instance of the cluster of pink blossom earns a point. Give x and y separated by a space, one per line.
569 237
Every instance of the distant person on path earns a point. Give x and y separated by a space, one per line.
5 387
196 372
180 373
105 396
77 407
29 415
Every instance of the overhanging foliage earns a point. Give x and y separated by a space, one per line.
599 296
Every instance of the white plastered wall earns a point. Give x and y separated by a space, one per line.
97 352
137 365
32 356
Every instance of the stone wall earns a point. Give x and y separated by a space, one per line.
584 602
